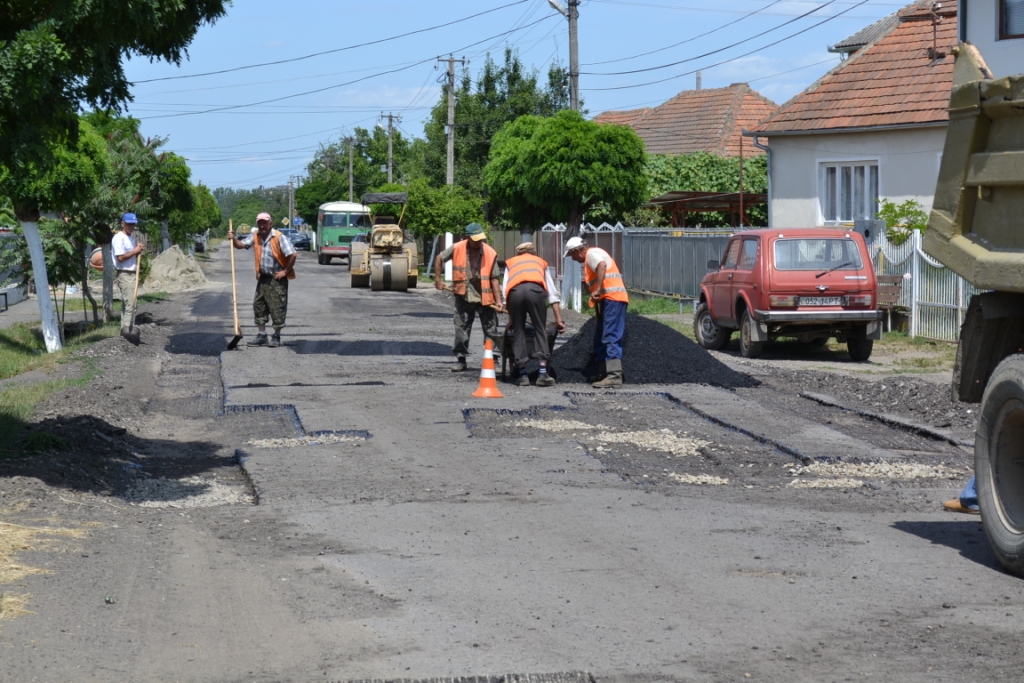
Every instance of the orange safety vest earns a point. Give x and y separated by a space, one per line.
526 268
460 271
614 289
275 249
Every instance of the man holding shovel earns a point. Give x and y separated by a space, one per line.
275 261
126 254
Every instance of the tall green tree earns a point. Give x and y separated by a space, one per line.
564 165
54 57
501 93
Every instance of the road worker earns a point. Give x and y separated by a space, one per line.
608 296
476 284
528 289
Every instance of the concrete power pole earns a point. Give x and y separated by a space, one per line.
291 201
391 133
450 173
351 148
572 14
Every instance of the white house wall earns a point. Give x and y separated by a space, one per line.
1004 57
908 167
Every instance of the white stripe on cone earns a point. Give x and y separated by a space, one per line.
487 374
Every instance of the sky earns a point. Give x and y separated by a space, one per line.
343 64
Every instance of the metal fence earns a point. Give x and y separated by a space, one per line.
669 262
934 297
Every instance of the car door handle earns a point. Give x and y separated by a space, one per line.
729 276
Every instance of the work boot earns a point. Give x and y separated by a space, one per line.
259 340
275 340
602 370
613 378
520 378
460 364
545 380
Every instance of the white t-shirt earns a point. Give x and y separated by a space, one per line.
120 245
596 256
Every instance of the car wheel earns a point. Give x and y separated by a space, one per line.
320 259
999 462
860 349
748 347
708 333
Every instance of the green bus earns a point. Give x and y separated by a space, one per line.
336 224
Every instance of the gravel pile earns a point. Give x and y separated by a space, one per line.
174 271
187 493
652 353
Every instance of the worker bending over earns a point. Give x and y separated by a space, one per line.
476 285
528 289
608 296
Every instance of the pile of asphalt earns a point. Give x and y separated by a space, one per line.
652 353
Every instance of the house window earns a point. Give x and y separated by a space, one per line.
1011 19
848 192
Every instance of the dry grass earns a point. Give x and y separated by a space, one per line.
18 538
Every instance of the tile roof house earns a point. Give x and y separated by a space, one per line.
710 120
871 128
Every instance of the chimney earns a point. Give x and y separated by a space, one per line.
698 80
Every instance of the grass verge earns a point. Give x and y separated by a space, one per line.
74 302
18 405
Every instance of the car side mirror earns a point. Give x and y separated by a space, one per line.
712 265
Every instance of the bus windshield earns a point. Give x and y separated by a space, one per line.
344 219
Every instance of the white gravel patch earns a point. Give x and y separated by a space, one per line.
191 492
657 440
842 483
558 425
700 479
305 441
878 470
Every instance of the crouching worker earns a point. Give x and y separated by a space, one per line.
529 289
275 266
608 296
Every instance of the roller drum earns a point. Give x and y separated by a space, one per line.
389 273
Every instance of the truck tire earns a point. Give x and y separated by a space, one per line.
320 259
999 462
860 349
748 347
706 331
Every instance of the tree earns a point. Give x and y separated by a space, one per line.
53 58
563 165
203 215
902 219
436 210
502 93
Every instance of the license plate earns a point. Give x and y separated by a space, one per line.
821 301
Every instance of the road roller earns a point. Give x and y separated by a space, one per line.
387 260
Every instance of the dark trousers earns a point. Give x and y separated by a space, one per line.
529 299
465 314
271 301
610 328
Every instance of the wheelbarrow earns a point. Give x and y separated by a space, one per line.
508 359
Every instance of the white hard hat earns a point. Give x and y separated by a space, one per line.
573 244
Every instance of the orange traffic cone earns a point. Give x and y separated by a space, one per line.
488 384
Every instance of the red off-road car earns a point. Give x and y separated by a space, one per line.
808 283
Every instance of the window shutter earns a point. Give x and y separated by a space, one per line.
1013 17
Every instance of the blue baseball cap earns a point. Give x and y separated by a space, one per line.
129 218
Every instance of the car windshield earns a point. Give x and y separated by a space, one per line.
819 253
339 219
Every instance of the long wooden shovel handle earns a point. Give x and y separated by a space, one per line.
135 295
234 288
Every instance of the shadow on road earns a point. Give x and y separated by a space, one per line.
370 347
964 535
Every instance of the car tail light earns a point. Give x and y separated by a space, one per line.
783 301
861 300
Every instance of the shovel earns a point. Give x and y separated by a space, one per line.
133 335
234 294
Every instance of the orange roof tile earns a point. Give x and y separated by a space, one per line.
710 120
894 81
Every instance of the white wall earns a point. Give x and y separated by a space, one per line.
1004 57
908 167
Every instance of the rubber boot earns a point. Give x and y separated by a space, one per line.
613 378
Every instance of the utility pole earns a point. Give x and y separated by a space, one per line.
291 200
351 148
391 132
450 174
572 14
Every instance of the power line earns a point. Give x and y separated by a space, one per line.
733 59
713 52
688 40
336 50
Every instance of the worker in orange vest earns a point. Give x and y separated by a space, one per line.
476 284
608 296
529 289
275 266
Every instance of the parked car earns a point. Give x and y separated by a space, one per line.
809 283
299 240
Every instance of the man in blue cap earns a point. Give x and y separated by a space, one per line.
126 254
